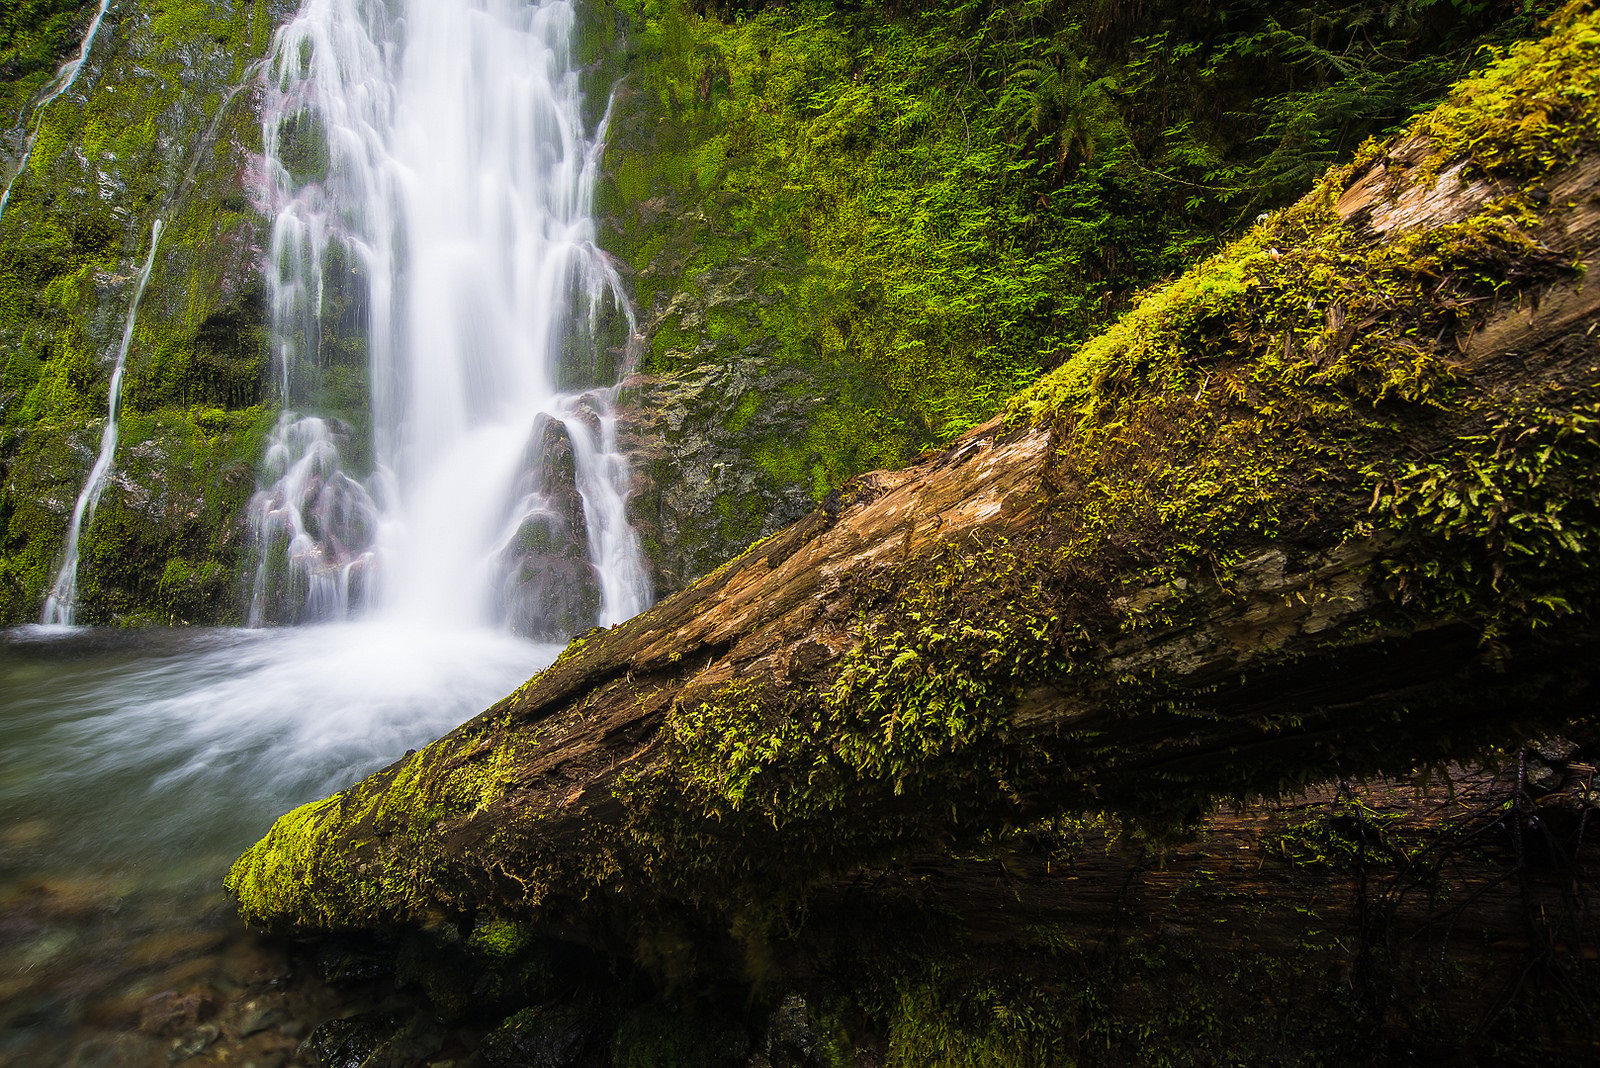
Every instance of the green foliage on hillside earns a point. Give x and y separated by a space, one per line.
934 202
886 218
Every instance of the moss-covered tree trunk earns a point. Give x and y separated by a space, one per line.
1326 505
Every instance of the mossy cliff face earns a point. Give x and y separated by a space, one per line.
853 230
1230 547
160 124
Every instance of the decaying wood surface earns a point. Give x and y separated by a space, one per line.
1303 630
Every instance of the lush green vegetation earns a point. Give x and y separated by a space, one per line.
934 202
888 218
35 36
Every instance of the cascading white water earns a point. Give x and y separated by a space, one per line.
64 77
62 601
437 151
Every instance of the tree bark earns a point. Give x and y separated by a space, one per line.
1221 553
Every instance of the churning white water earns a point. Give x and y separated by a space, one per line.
169 748
62 601
436 152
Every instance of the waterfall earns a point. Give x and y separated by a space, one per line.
434 156
64 77
61 604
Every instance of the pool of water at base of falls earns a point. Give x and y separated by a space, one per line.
136 765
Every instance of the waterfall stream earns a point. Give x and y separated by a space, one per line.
430 162
62 601
449 341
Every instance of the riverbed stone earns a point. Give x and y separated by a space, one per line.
187 972
194 1043
171 1013
340 963
791 1041
171 947
256 1017
541 1036
349 1042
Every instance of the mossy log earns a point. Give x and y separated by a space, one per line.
1328 505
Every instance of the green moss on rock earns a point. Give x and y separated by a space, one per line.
165 544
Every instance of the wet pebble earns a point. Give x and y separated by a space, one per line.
251 962
118 1011
128 1050
194 1043
790 1038
337 964
543 1036
25 834
256 1017
268 1060
187 972
170 1013
70 898
45 949
349 1042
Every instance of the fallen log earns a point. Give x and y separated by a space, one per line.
1325 506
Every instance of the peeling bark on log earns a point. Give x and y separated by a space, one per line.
1156 678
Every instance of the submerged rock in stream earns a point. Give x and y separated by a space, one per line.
349 1042
170 1013
542 1036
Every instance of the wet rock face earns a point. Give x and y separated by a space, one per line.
349 1042
170 1013
701 496
373 1040
340 963
39 477
790 1041
158 125
548 587
752 403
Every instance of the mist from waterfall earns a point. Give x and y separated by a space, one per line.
432 158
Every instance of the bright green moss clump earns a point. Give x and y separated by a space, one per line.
293 877
271 879
35 36
1312 282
